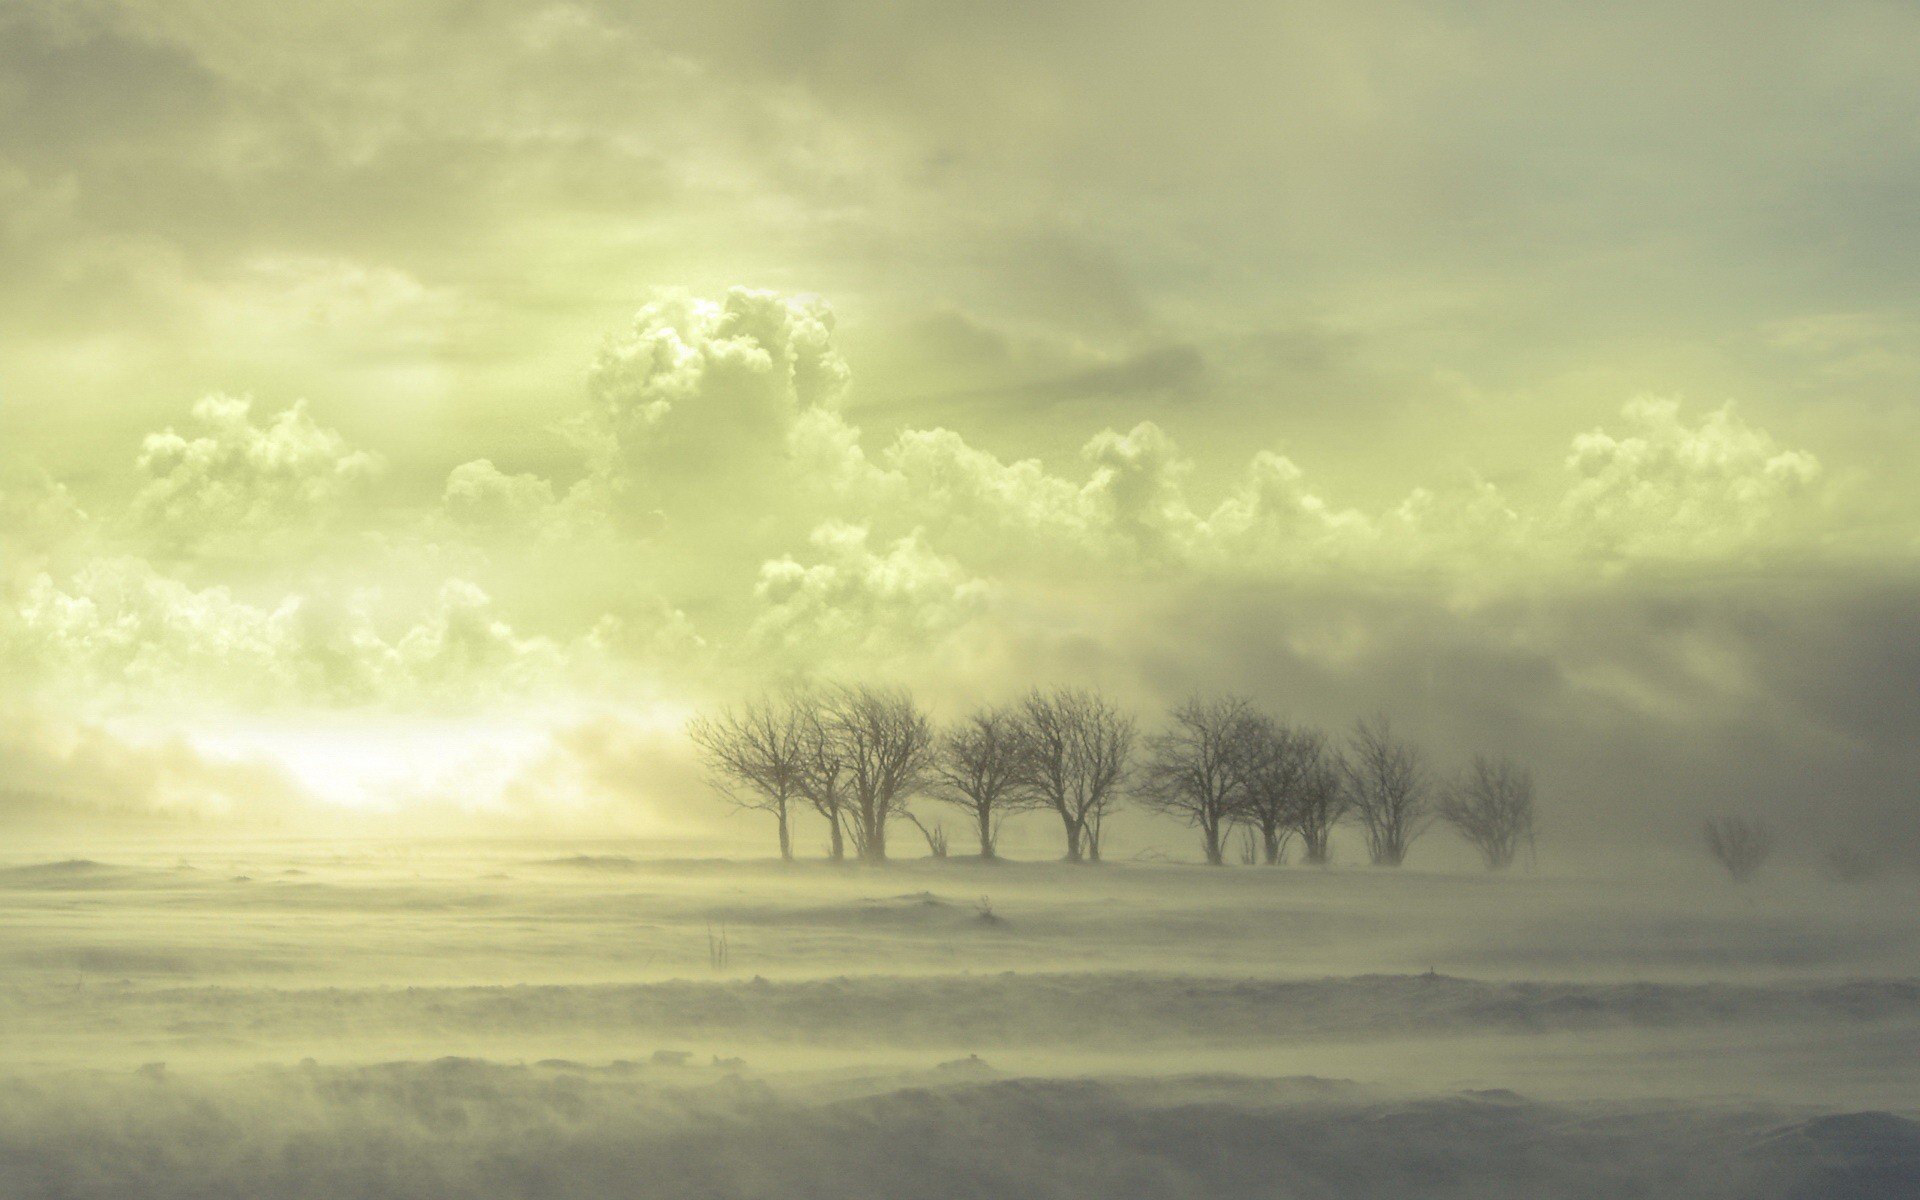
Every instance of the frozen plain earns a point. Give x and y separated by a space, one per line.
281 1019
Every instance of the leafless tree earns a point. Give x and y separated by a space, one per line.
1324 797
755 757
886 744
980 767
823 775
1389 790
1737 844
1492 808
1200 767
1078 750
1278 782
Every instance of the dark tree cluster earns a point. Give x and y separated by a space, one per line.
857 756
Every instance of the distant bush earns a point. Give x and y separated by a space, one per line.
1739 845
1850 864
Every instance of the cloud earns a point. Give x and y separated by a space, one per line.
38 516
1272 518
52 769
118 627
1664 489
715 443
854 604
480 495
723 509
235 485
702 393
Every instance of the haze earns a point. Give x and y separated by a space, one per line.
414 416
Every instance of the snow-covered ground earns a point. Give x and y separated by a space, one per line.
412 1019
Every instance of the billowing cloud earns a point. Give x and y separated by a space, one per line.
852 603
234 484
695 405
719 520
118 627
1665 489
480 495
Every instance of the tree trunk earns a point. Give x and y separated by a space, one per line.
874 845
786 835
837 839
1073 838
1270 842
985 816
1211 832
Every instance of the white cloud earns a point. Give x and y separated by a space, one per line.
1664 489
481 495
701 396
119 628
852 601
236 485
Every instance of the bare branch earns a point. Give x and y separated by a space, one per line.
1738 844
1201 766
1492 808
1389 790
1078 753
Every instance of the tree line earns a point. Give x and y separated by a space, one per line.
861 757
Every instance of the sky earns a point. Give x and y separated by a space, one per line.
422 409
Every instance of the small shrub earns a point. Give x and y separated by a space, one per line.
1738 845
1850 864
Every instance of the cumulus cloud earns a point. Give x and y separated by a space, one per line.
697 401
120 627
715 444
481 495
235 484
1664 489
723 519
852 601
1272 518
723 507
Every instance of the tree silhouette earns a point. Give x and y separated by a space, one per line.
1201 766
1389 790
980 766
1078 751
1492 808
755 757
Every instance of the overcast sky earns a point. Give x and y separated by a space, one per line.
425 406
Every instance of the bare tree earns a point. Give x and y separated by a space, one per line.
1078 749
1737 844
1492 808
886 744
980 767
1278 782
1324 798
1390 790
823 775
755 757
1200 767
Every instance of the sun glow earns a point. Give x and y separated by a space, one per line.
386 764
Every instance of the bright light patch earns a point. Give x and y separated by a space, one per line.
386 764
